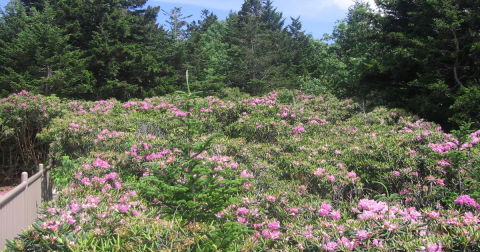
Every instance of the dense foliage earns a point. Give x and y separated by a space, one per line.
112 48
421 56
324 168
284 171
418 55
22 117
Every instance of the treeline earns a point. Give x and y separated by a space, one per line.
417 55
114 48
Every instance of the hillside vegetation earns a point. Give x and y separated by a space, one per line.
284 171
363 140
421 56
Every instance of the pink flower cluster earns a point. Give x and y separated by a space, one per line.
371 205
245 174
442 148
298 129
325 209
466 200
272 233
100 163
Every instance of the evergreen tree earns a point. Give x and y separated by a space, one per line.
211 51
256 38
301 51
419 55
195 30
36 56
177 23
106 48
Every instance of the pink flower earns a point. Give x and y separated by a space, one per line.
371 205
323 212
465 200
74 207
124 208
180 113
331 178
324 209
338 152
70 220
302 188
396 173
319 172
440 182
274 225
52 211
432 215
117 185
270 198
100 163
351 174
112 175
377 243
242 210
245 174
330 246
443 162
362 235
298 129
270 234
294 211
434 247
247 185
347 243
335 215
86 181
326 206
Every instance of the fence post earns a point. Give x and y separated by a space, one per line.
24 177
40 167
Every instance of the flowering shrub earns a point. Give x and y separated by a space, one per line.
310 173
22 116
183 182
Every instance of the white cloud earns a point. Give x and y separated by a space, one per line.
225 5
315 9
308 9
306 6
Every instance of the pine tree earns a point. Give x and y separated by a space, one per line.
36 56
257 38
177 23
117 38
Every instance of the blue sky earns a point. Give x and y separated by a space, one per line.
317 16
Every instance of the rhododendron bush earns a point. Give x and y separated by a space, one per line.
22 116
285 171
